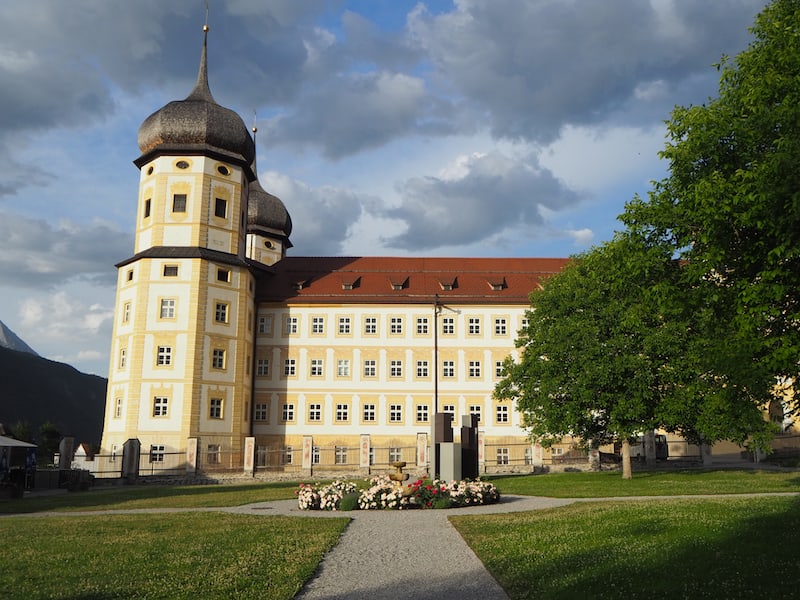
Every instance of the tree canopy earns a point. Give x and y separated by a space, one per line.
686 320
730 206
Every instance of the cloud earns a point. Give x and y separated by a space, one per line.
582 237
478 197
326 214
35 253
534 67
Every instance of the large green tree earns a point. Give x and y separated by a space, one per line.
610 351
592 351
730 207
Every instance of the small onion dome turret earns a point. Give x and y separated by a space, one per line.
266 212
197 122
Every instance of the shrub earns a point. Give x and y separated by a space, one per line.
383 493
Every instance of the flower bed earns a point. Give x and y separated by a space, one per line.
383 493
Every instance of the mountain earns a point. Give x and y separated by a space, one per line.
10 340
37 390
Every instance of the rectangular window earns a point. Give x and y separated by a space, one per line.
265 324
344 325
422 413
422 368
213 454
287 412
502 414
218 358
170 270
370 368
164 356
290 326
316 367
474 368
448 325
315 412
221 312
318 325
422 325
260 412
474 326
215 408
342 412
475 409
289 367
502 456
343 368
370 325
286 456
498 368
395 455
157 453
118 408
500 326
223 275
396 368
123 358
524 323
262 367
448 368
449 408
315 455
126 312
160 406
220 207
369 413
168 308
395 413
340 455
178 203
396 325
147 204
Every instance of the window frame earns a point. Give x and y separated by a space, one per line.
160 406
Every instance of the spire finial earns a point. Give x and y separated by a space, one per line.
255 130
201 90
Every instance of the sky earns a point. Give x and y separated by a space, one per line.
480 128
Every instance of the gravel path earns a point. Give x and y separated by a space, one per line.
385 555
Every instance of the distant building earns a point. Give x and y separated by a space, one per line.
227 354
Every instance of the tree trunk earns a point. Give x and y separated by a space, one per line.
650 448
626 459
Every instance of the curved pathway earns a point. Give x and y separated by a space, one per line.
385 555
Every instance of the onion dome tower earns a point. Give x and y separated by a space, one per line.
180 375
268 223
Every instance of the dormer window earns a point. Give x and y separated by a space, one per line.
399 283
497 285
301 284
448 285
350 284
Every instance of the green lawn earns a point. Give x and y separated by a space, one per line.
182 555
607 484
696 548
156 496
700 548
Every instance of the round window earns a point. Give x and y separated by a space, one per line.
182 164
223 170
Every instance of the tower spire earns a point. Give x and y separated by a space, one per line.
201 89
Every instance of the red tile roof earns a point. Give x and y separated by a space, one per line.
390 280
